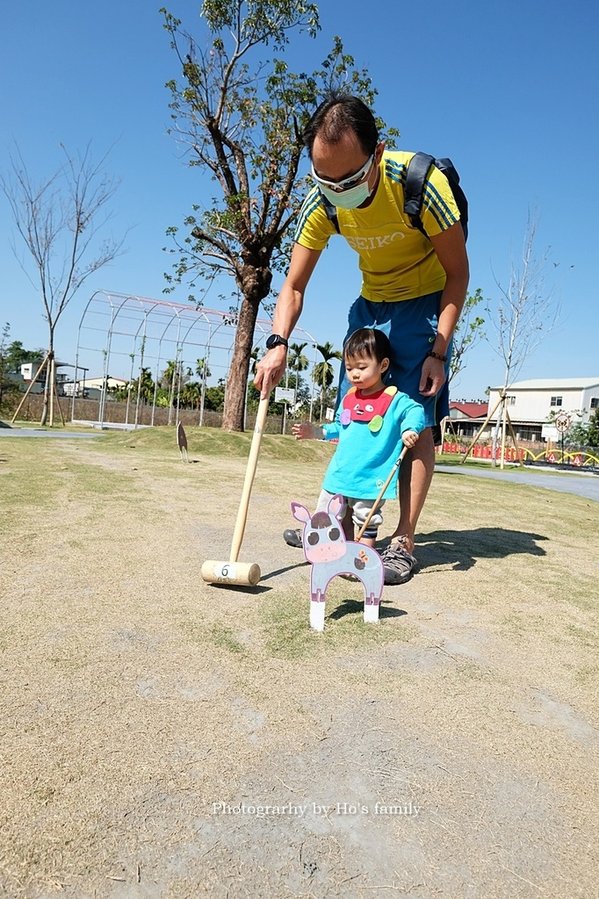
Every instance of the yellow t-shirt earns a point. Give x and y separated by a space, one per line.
396 260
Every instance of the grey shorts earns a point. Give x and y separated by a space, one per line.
359 509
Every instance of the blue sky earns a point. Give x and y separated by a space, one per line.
509 91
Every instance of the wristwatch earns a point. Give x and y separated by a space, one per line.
276 340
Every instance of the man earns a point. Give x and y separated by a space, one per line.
413 286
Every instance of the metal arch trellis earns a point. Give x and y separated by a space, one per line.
138 328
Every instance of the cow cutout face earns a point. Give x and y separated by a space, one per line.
324 539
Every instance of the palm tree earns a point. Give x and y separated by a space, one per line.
174 379
202 369
191 395
297 362
251 395
204 372
323 373
168 375
254 357
143 386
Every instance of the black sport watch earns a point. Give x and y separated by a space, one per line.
276 340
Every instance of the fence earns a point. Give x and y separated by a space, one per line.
117 413
573 457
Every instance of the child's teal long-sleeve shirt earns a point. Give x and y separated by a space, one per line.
364 457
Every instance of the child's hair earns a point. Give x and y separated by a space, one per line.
368 343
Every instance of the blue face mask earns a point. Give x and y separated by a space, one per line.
347 199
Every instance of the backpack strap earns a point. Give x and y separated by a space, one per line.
331 212
417 172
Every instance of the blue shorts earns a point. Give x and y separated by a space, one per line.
411 326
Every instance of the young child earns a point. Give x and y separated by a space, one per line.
372 423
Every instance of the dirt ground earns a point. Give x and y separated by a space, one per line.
165 738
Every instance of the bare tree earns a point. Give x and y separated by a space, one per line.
323 373
468 332
59 221
524 314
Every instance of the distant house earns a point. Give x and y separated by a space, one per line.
530 404
30 372
92 387
466 416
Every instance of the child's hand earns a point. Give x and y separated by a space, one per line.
410 438
303 430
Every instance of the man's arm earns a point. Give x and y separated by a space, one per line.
450 248
271 367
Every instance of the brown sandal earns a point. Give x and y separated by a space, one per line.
398 564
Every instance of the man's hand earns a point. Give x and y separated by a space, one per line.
432 377
269 370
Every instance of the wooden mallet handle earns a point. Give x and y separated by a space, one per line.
377 501
250 471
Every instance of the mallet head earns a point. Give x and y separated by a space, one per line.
242 573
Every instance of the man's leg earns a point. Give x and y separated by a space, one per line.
415 478
348 524
413 331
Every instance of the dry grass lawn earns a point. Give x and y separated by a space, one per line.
166 738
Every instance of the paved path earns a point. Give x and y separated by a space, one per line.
586 485
42 432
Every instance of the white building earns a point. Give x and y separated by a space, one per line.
530 404
30 371
86 385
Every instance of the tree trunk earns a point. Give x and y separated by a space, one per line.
503 436
49 385
233 413
255 281
44 415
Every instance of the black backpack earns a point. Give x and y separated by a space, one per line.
418 168
417 173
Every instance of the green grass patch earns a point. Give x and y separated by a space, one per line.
584 636
36 476
218 635
587 675
84 479
215 442
287 634
27 482
224 637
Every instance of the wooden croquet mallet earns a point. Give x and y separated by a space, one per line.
377 501
233 571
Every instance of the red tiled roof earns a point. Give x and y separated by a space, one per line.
471 410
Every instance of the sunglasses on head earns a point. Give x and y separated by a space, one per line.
345 183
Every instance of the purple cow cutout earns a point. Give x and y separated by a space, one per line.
326 547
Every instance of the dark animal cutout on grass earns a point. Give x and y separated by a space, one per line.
326 547
182 442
